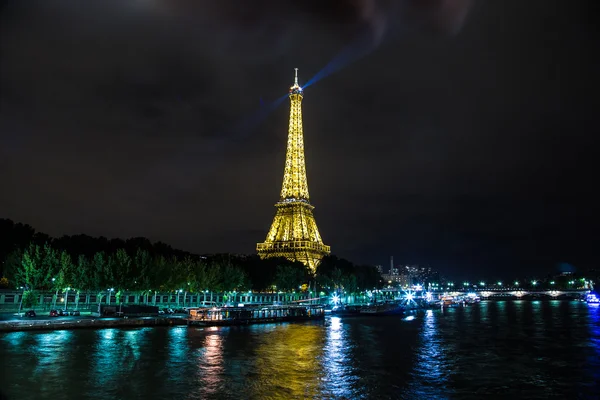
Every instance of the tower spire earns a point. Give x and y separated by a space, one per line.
294 233
295 185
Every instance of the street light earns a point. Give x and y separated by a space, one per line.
109 291
22 295
534 283
517 283
67 297
56 294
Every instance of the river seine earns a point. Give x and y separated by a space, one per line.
505 349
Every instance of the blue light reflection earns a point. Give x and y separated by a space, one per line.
337 365
430 373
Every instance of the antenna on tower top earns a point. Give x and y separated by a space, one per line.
296 78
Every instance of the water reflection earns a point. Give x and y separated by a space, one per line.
178 350
288 362
430 371
53 349
209 360
116 355
594 359
534 350
16 339
336 363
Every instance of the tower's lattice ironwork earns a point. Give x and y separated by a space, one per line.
294 233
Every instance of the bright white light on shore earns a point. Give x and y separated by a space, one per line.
335 298
409 297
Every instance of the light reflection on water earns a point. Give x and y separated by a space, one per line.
431 367
338 370
594 358
51 349
210 365
517 349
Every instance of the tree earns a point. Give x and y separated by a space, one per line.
12 267
30 274
291 276
98 281
142 265
82 274
30 299
66 271
231 278
122 271
50 264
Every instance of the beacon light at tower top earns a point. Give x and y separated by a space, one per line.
296 88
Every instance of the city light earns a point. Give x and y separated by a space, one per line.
534 283
592 298
335 299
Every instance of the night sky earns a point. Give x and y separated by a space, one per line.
463 137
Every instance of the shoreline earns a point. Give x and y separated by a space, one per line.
87 323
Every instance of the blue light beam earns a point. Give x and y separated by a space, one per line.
354 51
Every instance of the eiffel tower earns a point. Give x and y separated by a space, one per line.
294 233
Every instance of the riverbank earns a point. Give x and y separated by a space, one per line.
87 323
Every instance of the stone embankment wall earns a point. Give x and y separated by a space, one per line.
89 323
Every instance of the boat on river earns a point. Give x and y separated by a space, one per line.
361 310
226 316
383 309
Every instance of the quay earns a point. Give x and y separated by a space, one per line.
226 316
221 316
86 323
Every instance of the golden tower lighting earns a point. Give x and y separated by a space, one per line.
294 233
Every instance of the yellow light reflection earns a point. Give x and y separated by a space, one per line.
288 361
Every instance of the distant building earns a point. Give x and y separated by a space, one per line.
408 275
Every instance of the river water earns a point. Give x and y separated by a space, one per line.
508 349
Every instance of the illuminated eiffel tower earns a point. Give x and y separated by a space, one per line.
294 233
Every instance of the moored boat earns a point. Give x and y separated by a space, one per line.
224 316
383 309
592 298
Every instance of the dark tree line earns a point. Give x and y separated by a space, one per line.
82 263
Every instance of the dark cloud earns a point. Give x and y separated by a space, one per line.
463 135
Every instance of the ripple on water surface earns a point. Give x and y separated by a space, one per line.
520 349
